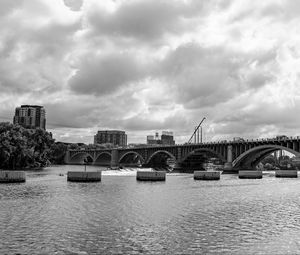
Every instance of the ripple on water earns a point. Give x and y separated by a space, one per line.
49 215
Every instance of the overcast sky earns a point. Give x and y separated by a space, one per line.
144 66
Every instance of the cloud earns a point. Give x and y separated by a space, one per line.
104 74
74 5
33 47
151 65
140 20
206 76
148 22
7 7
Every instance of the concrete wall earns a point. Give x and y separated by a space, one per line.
84 176
286 173
251 174
12 176
151 175
204 175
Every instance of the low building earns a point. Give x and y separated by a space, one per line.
136 145
166 138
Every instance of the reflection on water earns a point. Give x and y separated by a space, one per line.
48 215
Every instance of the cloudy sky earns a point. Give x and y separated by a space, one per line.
145 66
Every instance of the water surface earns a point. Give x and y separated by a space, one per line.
48 215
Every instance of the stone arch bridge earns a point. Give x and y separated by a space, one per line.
234 155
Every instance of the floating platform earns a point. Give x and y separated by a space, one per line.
84 176
12 176
151 175
250 174
205 175
286 173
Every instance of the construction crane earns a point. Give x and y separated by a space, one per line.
196 129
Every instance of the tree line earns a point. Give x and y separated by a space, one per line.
22 148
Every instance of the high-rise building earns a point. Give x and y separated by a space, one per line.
115 137
30 116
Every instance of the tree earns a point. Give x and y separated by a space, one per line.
24 148
270 160
58 151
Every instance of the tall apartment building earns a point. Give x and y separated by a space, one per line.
115 137
30 116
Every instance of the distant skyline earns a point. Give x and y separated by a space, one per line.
143 66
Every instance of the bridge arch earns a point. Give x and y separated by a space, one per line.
104 158
250 158
205 150
131 153
78 158
165 153
196 159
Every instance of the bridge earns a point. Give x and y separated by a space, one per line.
233 155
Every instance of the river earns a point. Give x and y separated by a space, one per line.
119 215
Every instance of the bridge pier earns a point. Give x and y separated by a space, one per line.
67 157
228 165
177 167
114 158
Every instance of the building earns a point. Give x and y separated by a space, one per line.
151 140
166 138
115 137
136 145
30 116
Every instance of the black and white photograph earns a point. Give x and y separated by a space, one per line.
149 127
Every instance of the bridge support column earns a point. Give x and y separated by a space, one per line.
114 158
67 157
228 165
178 154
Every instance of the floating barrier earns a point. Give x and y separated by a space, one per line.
251 174
84 176
12 176
151 175
286 173
204 175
